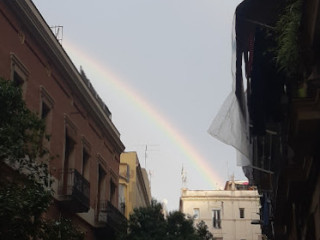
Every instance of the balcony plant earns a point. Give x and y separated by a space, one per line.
287 32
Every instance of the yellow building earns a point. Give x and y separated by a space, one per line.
134 186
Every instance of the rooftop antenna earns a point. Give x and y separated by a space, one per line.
58 32
227 169
146 150
145 157
184 177
150 176
233 185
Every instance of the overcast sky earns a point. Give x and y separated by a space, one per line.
163 67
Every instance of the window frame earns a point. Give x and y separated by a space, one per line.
196 213
241 213
19 69
70 137
85 159
47 101
216 213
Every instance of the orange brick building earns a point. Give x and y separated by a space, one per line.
83 136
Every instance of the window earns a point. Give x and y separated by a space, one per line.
85 164
69 152
128 172
122 200
196 213
112 191
46 106
241 212
101 185
216 218
86 149
45 111
19 73
70 143
17 79
46 117
124 171
67 173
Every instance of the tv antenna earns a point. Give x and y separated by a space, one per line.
146 150
58 33
184 177
145 157
150 176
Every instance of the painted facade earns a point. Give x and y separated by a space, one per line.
227 213
134 186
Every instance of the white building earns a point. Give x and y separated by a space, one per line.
227 213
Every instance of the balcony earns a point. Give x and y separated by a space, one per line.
73 191
109 216
305 125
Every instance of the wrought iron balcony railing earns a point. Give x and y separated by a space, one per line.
110 215
74 191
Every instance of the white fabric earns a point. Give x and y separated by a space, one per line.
230 126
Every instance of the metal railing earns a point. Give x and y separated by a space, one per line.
109 214
264 150
74 185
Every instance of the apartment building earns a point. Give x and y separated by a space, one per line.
84 140
134 185
228 213
275 112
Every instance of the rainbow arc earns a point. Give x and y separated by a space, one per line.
190 152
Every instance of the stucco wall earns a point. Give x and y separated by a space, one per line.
228 202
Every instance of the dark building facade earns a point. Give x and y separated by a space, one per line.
276 48
283 112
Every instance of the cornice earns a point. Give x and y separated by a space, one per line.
32 21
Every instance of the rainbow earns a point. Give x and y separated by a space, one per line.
192 155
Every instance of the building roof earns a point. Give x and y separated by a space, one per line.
33 22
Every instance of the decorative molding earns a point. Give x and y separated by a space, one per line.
18 66
22 37
108 147
46 97
86 144
95 130
102 162
70 127
48 70
114 176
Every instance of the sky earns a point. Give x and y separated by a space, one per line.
163 68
